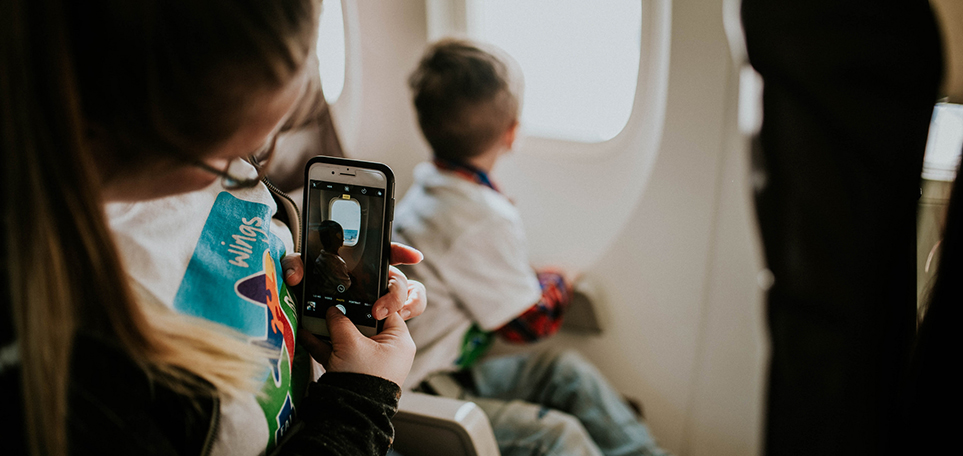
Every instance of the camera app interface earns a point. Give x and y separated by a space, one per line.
344 242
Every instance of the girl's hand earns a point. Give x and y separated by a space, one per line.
387 355
406 297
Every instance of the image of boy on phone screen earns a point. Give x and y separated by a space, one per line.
329 267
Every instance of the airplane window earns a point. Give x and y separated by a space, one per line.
331 50
347 212
580 61
943 146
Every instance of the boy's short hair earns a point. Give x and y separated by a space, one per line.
464 99
332 235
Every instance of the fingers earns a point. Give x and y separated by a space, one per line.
417 300
396 335
320 351
388 354
406 297
403 254
341 328
293 268
396 297
395 328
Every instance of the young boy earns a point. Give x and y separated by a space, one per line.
481 284
329 265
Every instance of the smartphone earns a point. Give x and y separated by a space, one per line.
346 240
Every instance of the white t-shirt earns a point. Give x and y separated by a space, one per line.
476 266
216 254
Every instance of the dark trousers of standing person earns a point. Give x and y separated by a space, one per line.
849 88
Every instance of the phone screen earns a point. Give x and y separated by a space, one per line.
343 255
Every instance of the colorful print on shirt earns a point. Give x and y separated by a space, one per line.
234 278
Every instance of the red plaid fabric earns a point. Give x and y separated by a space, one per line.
544 318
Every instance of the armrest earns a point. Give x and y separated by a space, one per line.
431 425
582 316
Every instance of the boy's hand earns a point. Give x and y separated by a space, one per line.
406 297
387 355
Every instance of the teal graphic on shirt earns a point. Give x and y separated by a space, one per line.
234 278
474 345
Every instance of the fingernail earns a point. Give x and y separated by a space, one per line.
382 313
296 254
288 272
405 313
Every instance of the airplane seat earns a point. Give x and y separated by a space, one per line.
439 426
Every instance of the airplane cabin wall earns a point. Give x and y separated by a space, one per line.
676 281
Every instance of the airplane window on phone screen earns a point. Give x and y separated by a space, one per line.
331 50
347 212
944 143
580 61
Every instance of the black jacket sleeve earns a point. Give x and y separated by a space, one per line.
346 414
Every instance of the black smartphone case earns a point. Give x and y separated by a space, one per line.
388 217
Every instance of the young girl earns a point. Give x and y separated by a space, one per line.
111 100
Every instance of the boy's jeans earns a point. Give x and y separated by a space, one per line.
557 403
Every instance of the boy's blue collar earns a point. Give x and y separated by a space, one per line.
465 171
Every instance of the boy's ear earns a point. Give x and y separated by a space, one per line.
510 134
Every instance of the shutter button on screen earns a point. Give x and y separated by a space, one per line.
342 309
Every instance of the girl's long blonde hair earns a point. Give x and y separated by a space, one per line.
153 76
